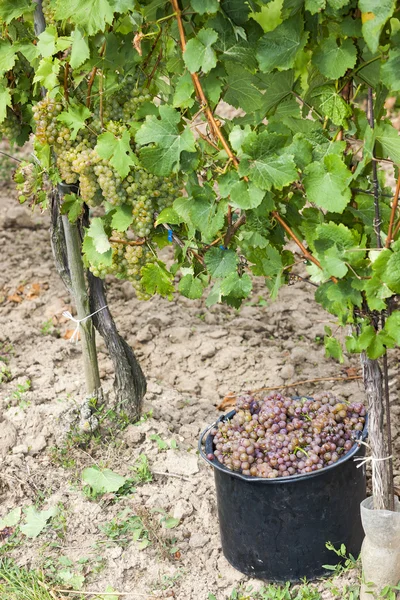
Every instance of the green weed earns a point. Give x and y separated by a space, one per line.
17 583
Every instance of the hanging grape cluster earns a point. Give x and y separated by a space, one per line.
280 436
79 163
128 258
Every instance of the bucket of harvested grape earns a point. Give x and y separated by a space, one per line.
287 483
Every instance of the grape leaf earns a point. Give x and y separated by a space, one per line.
7 56
165 157
168 215
389 139
36 521
241 91
190 287
314 6
11 519
205 6
47 42
332 60
102 481
198 53
246 195
277 49
220 262
233 49
72 206
332 105
333 348
92 256
122 217
71 579
235 286
237 10
392 327
80 49
278 86
117 150
47 73
391 275
91 15
390 71
157 280
327 183
98 235
184 90
5 100
12 9
263 165
74 118
374 15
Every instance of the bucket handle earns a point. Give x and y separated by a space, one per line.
201 440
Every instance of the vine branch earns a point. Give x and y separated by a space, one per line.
294 237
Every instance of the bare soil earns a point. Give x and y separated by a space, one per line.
192 358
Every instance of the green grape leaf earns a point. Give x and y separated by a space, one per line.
279 86
165 157
72 206
332 60
236 286
375 13
102 481
332 262
246 195
91 15
47 42
332 105
98 235
265 167
237 10
7 56
333 348
215 295
74 118
12 9
5 100
92 256
11 519
122 217
278 49
36 521
28 49
389 139
220 262
327 183
241 90
391 275
190 287
184 90
47 73
202 212
198 53
237 137
392 327
157 280
168 215
301 150
390 71
117 150
205 6
315 6
80 49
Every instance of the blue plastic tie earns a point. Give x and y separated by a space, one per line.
222 248
170 238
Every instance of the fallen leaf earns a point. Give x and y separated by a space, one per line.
351 371
69 333
33 291
228 401
15 298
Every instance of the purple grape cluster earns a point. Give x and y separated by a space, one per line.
279 436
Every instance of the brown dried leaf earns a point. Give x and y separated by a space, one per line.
227 402
33 291
15 298
69 333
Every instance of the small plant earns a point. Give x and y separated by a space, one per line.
162 444
17 582
348 561
126 528
48 328
5 374
141 471
101 481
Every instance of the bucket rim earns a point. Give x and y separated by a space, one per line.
278 480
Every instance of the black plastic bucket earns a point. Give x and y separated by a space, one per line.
277 529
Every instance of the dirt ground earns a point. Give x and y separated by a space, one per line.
192 358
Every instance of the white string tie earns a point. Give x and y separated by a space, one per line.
372 459
67 315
